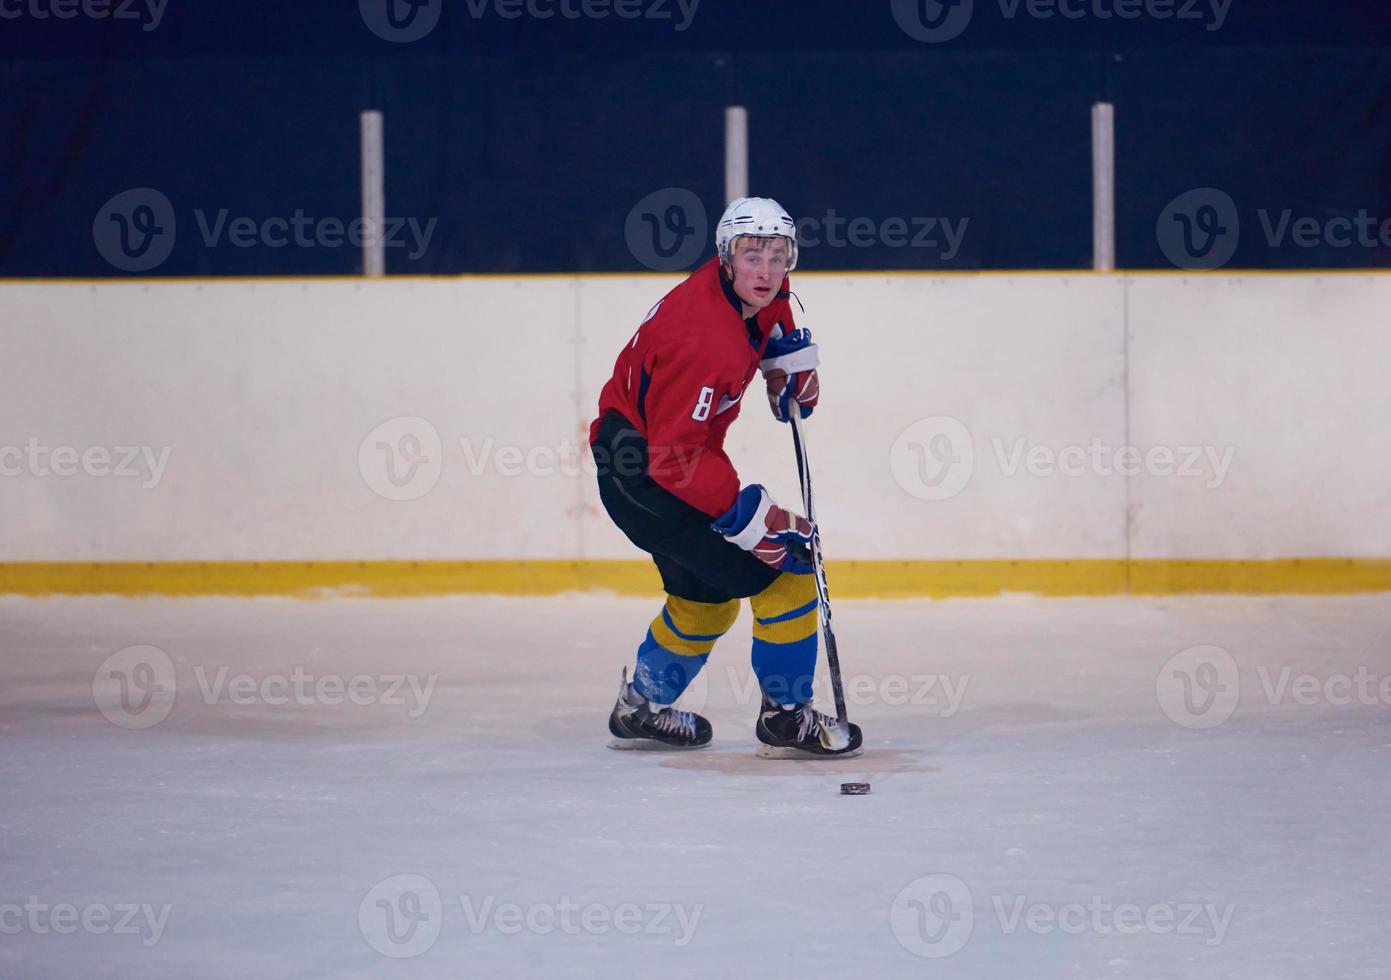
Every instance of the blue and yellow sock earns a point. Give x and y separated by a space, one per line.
678 644
784 638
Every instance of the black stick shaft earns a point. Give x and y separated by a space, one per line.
818 564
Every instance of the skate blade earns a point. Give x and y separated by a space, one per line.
650 745
787 752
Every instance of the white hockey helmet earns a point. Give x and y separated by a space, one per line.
760 217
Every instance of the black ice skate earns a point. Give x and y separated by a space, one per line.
637 723
802 732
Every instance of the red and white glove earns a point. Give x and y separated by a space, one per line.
776 536
789 367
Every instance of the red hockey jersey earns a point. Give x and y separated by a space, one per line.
681 379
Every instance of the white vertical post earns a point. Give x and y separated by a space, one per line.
1103 187
736 152
373 195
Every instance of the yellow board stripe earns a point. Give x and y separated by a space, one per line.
848 579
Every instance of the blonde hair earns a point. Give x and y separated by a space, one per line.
744 242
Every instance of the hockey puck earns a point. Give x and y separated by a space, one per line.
854 789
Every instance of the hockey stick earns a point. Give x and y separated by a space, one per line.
818 565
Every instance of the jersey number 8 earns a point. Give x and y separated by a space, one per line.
702 407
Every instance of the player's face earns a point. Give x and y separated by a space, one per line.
759 266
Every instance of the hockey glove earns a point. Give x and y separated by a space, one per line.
789 367
777 537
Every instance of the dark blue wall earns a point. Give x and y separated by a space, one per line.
529 143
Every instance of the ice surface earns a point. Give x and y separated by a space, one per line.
1019 803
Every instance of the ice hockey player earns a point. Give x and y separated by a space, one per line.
664 478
